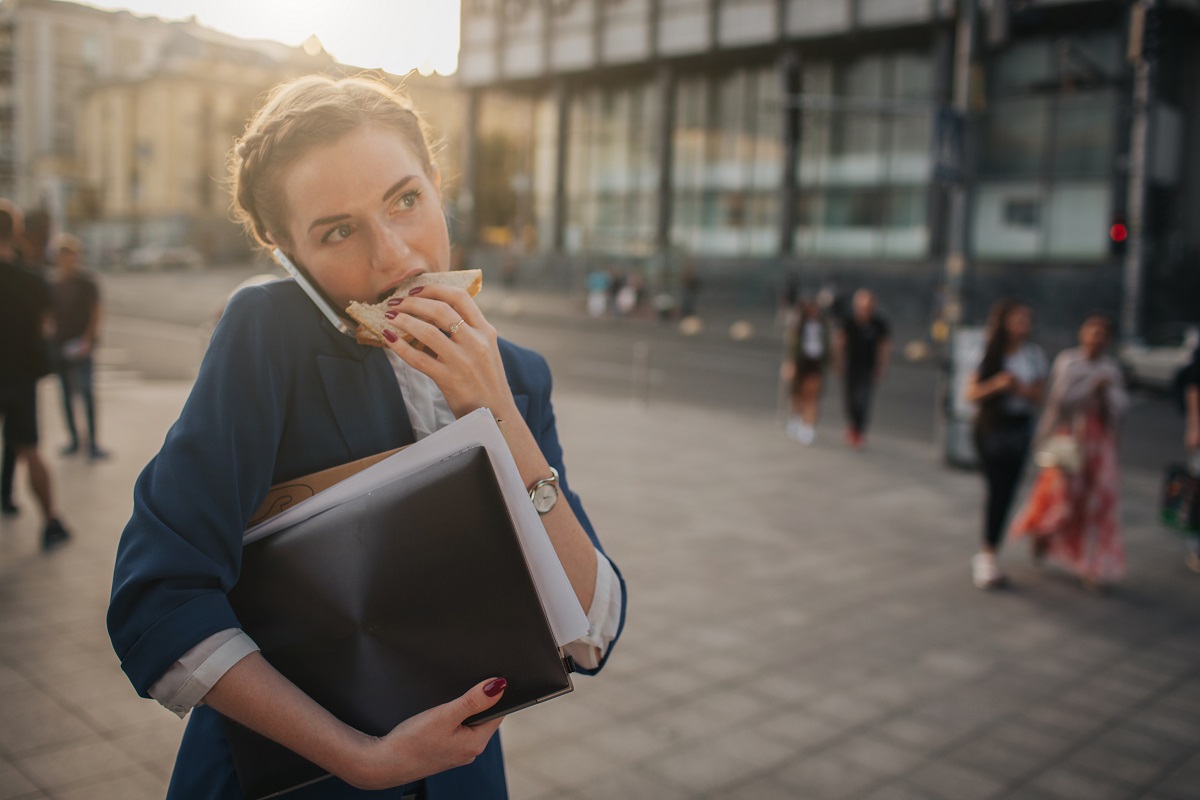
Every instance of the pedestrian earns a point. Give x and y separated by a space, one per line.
77 311
808 355
338 174
690 285
862 350
1008 388
1191 439
24 315
597 293
1071 515
30 249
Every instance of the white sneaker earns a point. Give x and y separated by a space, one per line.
806 434
985 572
793 428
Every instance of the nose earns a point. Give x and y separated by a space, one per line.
390 248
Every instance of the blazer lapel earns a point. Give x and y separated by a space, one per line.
364 397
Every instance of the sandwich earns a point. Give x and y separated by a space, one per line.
370 316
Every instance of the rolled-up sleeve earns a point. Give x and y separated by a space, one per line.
181 551
184 685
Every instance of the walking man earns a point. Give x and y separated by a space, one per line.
24 310
862 349
76 326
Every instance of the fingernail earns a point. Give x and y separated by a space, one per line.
395 301
390 314
390 335
417 290
493 688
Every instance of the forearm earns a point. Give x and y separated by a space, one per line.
571 542
254 694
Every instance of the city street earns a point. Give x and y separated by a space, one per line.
159 322
801 623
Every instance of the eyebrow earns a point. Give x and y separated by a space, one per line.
396 187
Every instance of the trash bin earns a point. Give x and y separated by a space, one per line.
965 352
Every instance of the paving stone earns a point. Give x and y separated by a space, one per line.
822 778
953 782
60 767
13 784
1067 784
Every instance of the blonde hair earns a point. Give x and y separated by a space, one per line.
298 116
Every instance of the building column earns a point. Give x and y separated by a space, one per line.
790 78
667 84
562 105
469 199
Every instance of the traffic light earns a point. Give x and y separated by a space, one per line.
1118 235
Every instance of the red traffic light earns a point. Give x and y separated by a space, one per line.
1118 232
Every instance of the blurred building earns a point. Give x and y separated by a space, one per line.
759 138
120 125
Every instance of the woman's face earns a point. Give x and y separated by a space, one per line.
1018 323
1093 336
362 215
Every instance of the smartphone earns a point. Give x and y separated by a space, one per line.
316 295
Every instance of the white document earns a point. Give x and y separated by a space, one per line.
567 619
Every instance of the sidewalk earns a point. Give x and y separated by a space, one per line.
801 625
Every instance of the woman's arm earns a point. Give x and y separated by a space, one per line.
253 693
468 369
978 390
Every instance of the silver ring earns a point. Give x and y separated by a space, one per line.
455 326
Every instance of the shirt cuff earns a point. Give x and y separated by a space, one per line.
183 686
603 617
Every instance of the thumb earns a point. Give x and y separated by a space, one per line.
479 698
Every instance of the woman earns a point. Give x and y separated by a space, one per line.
1008 388
809 353
1072 513
339 175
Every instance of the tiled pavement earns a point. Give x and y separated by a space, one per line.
801 625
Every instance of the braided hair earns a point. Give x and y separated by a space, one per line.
297 116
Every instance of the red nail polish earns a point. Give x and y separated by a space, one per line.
390 336
493 688
417 290
395 301
390 314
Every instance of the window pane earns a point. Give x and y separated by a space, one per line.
1079 218
1014 137
1084 133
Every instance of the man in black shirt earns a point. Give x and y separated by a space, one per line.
862 349
24 308
76 300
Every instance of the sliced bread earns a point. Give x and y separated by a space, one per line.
371 315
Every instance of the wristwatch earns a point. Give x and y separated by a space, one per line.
544 493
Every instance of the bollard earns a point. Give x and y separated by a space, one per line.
640 376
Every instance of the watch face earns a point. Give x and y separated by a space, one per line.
544 497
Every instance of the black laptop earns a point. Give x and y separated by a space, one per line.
394 602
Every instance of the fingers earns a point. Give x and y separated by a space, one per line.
478 699
462 305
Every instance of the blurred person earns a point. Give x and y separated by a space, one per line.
77 310
690 285
31 243
1191 439
24 316
862 349
35 243
1008 388
808 355
597 293
339 175
1072 512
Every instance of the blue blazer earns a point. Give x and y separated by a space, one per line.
280 394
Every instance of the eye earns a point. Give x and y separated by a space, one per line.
408 199
338 233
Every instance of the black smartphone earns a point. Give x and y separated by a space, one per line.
316 295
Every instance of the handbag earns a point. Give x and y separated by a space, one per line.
1180 505
1059 451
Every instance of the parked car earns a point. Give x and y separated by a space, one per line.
1153 360
153 257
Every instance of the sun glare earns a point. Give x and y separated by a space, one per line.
394 35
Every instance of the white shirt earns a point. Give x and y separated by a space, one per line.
184 685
